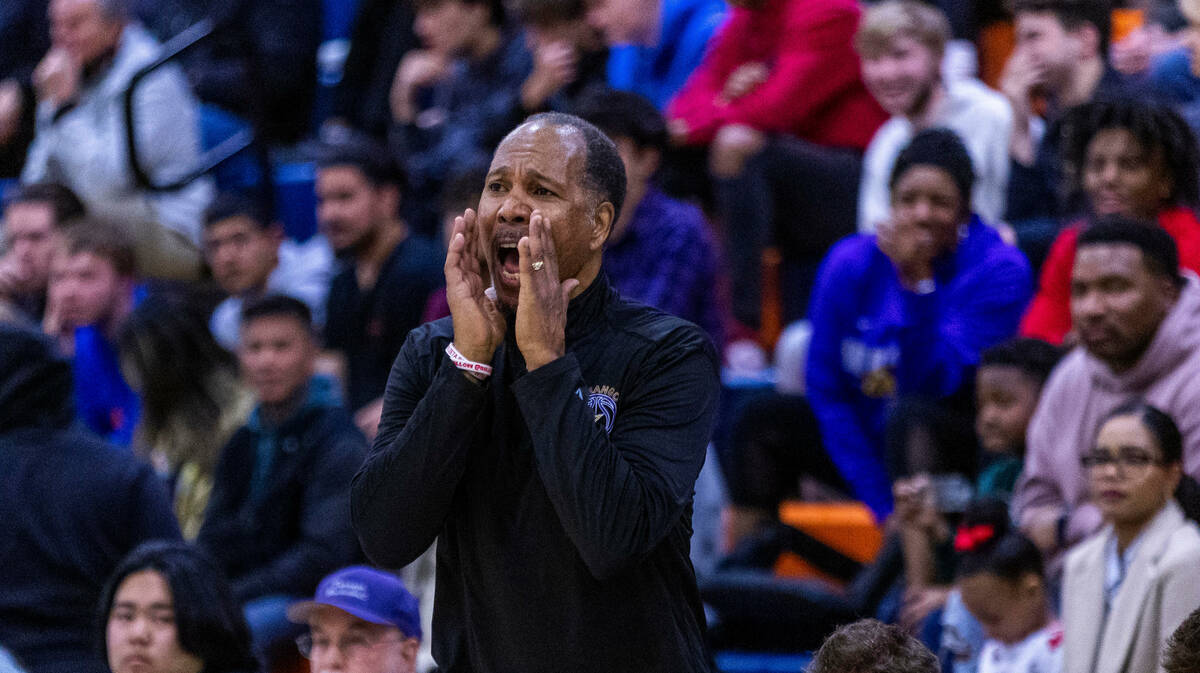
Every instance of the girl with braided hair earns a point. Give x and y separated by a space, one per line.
1128 158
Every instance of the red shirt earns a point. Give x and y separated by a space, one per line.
1049 315
814 90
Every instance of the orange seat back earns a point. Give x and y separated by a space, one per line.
848 527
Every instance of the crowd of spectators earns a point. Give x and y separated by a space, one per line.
992 285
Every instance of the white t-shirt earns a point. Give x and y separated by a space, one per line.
983 120
1039 653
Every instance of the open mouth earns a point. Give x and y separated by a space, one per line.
508 262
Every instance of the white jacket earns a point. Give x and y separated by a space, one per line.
85 147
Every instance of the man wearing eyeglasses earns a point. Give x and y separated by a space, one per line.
362 620
1137 323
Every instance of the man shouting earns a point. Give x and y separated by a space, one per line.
548 434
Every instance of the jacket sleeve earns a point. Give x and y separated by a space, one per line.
1049 314
1032 190
432 418
326 539
696 104
218 534
942 336
815 63
1038 497
618 495
856 456
993 163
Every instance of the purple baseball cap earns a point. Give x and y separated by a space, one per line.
367 593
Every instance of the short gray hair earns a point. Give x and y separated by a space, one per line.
604 171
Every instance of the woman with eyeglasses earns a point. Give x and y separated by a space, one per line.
1127 588
168 609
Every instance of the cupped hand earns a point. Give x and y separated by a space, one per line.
911 248
542 304
57 77
478 324
555 66
743 80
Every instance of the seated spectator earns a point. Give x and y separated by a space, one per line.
781 104
192 398
569 56
24 38
906 313
1008 384
655 45
660 251
902 44
249 257
32 222
380 291
72 508
80 140
454 100
869 646
1135 317
362 620
260 62
1059 59
1183 648
1127 588
168 609
1002 583
91 293
1130 159
278 519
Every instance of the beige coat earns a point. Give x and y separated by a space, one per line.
1161 587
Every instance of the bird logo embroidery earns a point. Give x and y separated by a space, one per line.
603 403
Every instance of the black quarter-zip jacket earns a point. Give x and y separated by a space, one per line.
561 498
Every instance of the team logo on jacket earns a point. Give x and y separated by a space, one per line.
603 402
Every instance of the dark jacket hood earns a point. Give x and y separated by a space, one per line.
35 382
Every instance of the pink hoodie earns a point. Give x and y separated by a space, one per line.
1082 390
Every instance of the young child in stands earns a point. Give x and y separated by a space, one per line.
1000 577
1008 384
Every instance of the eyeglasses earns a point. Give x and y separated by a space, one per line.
1125 460
350 645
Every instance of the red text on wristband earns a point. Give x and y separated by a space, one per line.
477 368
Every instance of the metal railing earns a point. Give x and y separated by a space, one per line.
210 159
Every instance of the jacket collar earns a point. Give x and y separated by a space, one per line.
586 311
1121 625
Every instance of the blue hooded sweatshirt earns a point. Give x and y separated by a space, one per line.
659 71
873 340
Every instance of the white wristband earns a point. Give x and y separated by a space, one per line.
479 369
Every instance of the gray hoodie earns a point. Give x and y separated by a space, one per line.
1082 390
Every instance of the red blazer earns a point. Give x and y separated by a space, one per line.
1049 315
814 90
